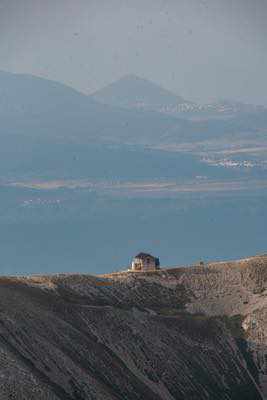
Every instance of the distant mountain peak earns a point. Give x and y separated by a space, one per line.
134 92
132 77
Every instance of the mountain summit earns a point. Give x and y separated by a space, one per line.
133 92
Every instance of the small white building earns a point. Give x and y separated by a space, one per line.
145 262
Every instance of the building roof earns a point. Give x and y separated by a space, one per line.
145 255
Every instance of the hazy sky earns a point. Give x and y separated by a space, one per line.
201 49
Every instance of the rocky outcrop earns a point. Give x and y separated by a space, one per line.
182 333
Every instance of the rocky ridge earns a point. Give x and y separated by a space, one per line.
180 333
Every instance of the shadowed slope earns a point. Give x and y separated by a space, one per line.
127 335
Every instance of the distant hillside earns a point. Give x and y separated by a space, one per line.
49 127
225 109
32 107
133 92
37 107
26 95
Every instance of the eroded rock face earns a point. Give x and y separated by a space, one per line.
195 333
